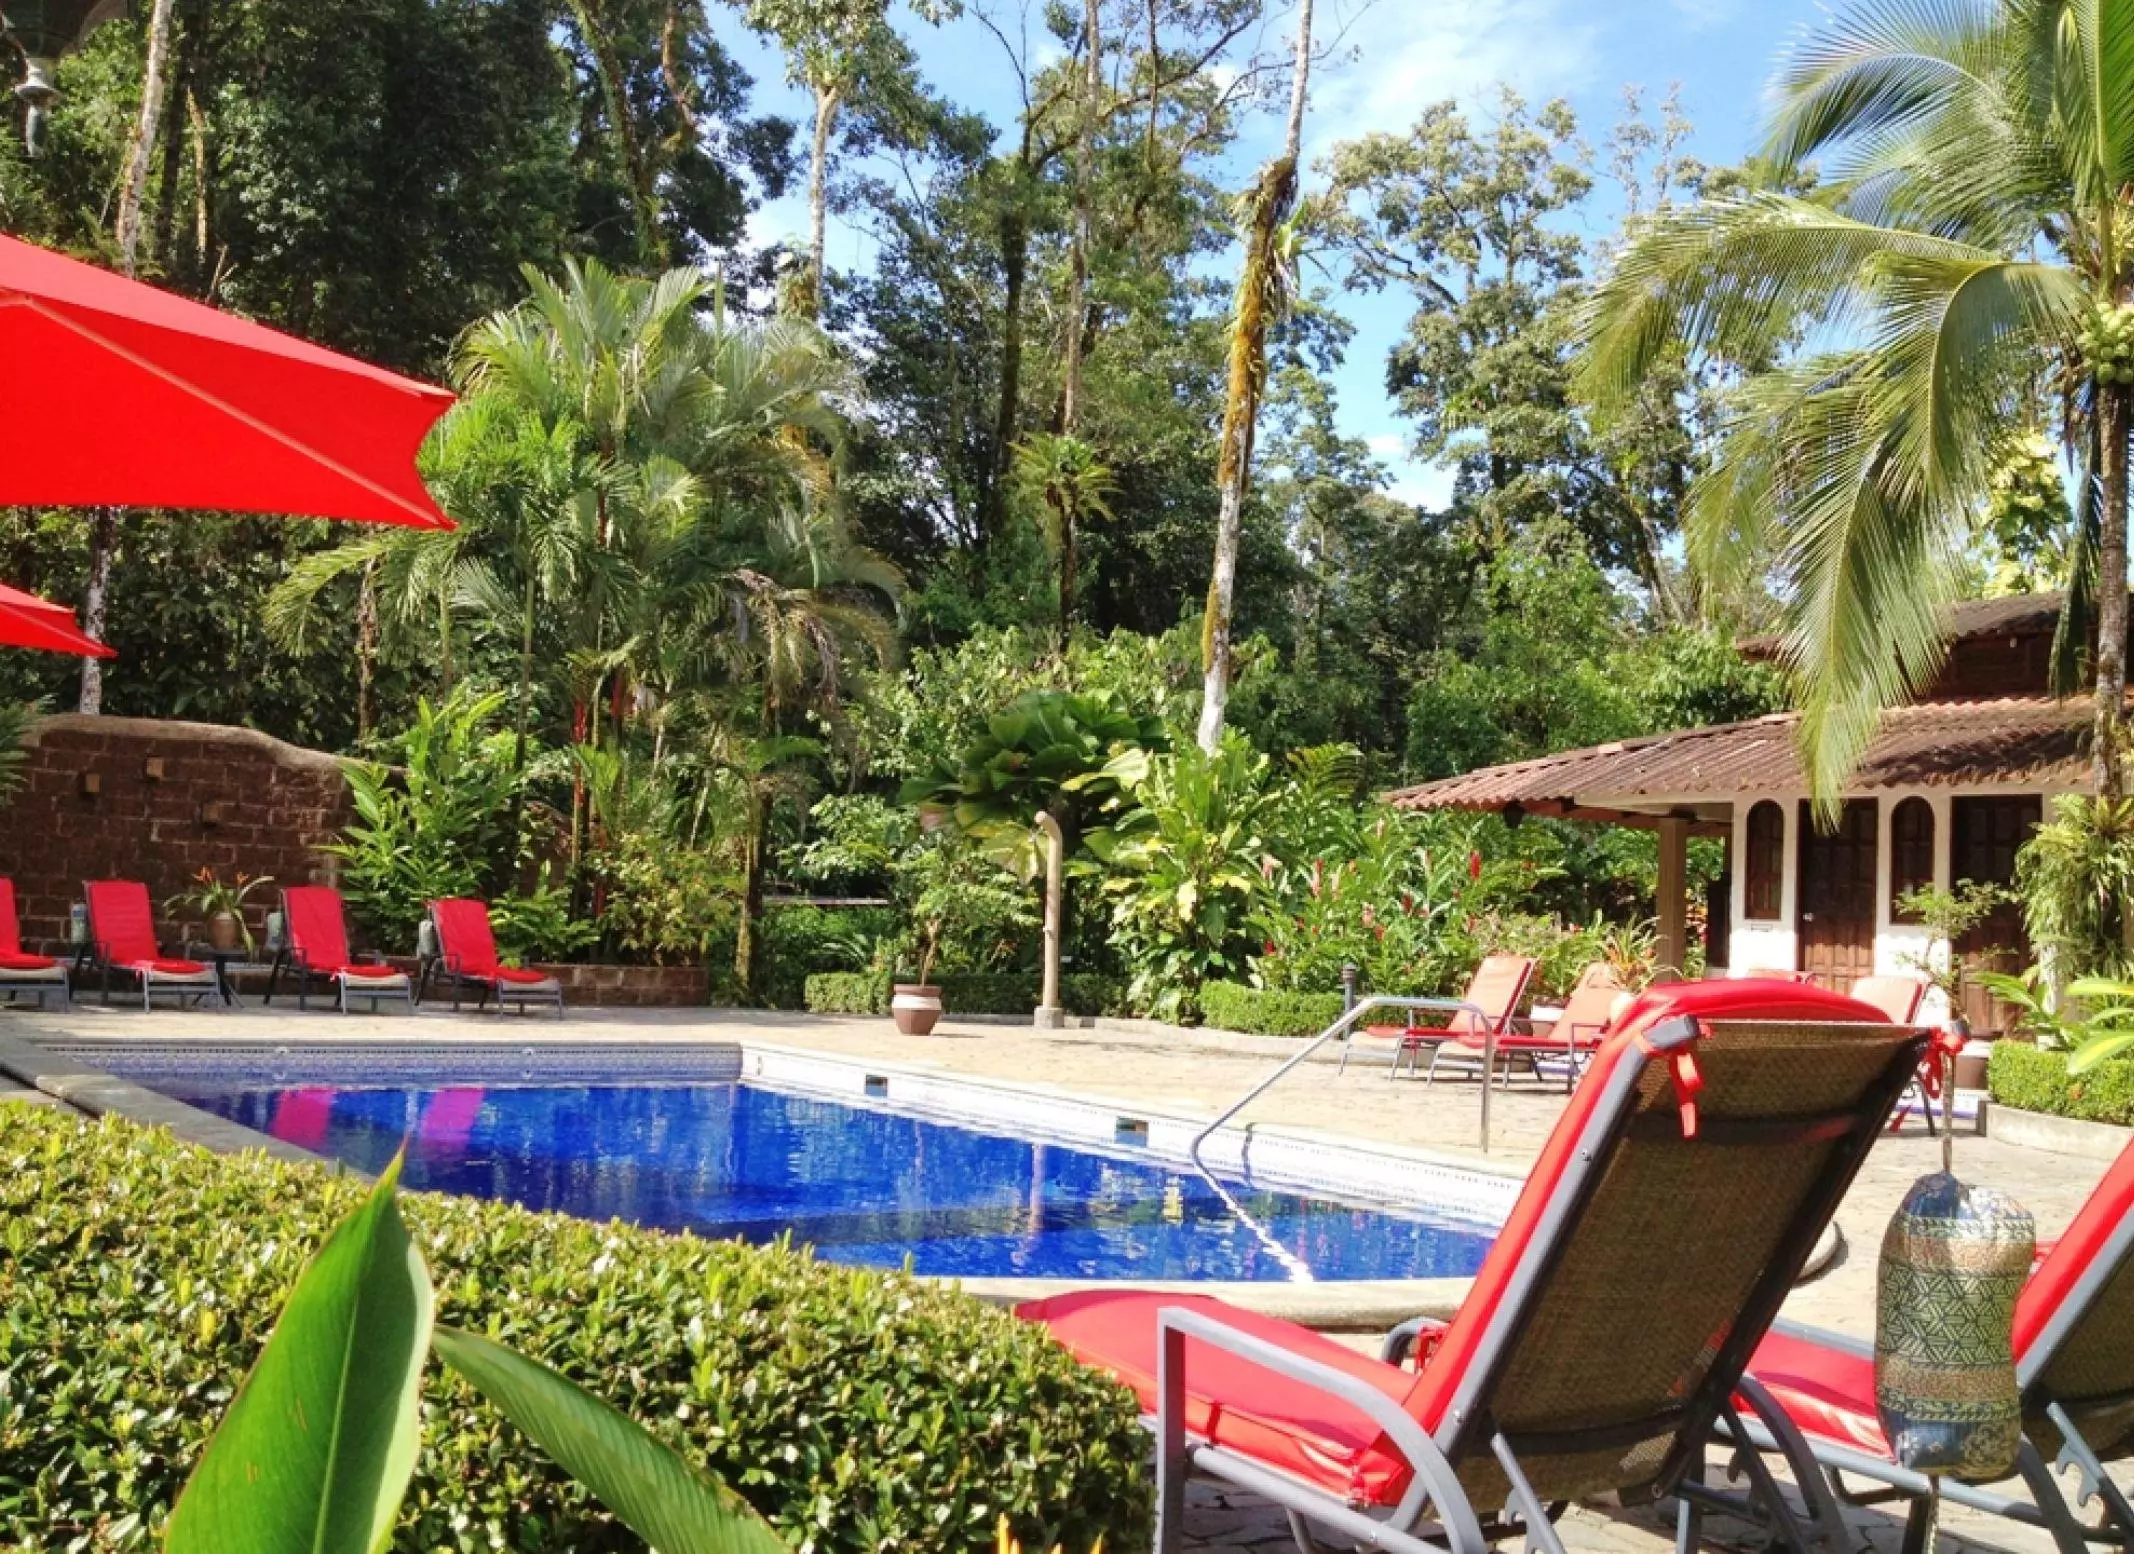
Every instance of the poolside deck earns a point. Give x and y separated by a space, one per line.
1201 1073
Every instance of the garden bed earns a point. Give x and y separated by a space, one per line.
1231 1006
1009 993
857 1409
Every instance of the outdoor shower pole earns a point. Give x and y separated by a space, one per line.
1050 1016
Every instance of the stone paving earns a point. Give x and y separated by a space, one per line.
1199 1074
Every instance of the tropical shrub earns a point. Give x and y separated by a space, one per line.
847 992
2076 878
1188 863
15 720
971 992
857 1410
435 825
1231 1006
666 902
537 925
2034 1079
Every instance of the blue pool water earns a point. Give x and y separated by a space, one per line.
860 1185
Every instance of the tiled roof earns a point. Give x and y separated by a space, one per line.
2015 615
2016 740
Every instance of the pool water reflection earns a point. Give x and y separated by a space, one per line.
860 1185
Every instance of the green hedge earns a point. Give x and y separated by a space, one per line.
962 992
2035 1080
859 1410
1231 1006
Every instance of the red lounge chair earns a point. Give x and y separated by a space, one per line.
122 937
466 957
1575 1036
35 976
1813 1393
1490 1003
315 944
1900 998
1686 1183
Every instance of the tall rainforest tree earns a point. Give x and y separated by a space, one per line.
1968 256
1260 288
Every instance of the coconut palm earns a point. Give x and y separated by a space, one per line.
1965 261
1067 484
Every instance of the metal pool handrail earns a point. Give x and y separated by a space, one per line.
1341 1028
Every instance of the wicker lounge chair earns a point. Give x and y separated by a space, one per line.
1490 1003
27 976
1574 1037
122 938
1812 1393
467 958
1678 1198
315 945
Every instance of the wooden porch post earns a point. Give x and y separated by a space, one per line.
1673 891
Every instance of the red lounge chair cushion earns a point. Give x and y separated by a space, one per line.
1829 1392
519 976
370 973
2072 1256
122 921
318 931
1234 1403
10 927
160 967
9 961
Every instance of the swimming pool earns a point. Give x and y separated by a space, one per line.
866 1183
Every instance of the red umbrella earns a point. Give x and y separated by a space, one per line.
118 394
27 621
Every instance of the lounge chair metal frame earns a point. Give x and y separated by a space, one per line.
1470 1426
1411 1041
1817 1463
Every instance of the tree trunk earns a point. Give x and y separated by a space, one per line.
103 546
1067 570
141 145
826 103
1014 263
1271 200
2112 413
1078 249
751 904
366 650
637 172
133 188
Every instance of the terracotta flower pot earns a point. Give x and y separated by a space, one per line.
224 931
916 1007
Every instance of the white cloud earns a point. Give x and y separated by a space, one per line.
1387 445
1410 53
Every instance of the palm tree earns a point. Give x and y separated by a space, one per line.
755 771
1062 477
1966 259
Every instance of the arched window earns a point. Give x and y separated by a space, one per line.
1765 865
1911 854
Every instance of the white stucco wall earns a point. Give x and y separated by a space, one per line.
1773 945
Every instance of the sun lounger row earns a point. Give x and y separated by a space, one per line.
315 950
1623 1320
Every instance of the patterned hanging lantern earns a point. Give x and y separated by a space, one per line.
44 30
1953 1260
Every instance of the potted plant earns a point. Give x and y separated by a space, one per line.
221 907
916 1006
1948 915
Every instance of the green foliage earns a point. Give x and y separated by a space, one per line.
2036 1013
1949 915
15 720
211 897
537 925
2034 1079
667 903
2076 880
1187 864
319 1444
1231 1006
969 992
435 827
854 1408
847 992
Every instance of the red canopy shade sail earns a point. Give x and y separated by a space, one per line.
27 621
118 394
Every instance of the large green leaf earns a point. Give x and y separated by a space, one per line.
658 1495
316 1450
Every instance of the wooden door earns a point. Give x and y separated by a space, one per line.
1835 926
1985 836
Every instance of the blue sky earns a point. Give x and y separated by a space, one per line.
1398 56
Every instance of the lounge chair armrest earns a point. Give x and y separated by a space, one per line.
1434 1485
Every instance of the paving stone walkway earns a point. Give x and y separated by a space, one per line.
1199 1074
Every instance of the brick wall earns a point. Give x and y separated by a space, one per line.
145 799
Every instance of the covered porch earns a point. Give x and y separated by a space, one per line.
1948 793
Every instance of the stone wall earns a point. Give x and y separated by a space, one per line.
605 987
146 799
